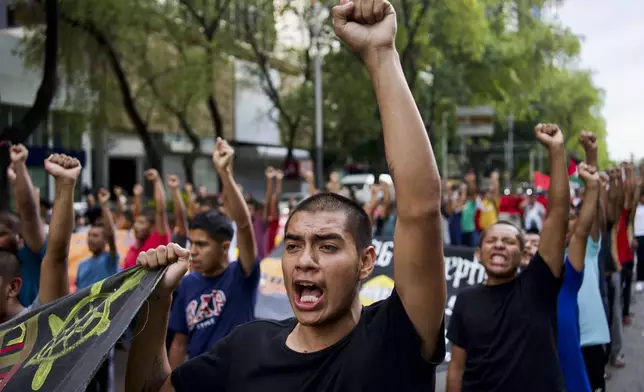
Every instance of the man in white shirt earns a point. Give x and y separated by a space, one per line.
533 213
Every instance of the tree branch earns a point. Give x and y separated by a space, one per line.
19 132
129 104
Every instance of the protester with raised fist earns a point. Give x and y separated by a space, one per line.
580 265
29 241
104 262
333 343
220 293
53 275
180 228
504 331
593 333
151 227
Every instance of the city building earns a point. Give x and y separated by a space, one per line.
113 155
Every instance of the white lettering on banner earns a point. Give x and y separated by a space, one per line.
458 269
384 252
201 313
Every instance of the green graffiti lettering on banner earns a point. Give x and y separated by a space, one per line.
88 318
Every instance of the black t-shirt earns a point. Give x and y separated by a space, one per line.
509 332
382 353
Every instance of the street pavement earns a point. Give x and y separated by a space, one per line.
631 377
628 379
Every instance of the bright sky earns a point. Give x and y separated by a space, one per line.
614 49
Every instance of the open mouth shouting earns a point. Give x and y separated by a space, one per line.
308 295
499 260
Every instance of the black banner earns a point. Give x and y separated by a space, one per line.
59 346
461 270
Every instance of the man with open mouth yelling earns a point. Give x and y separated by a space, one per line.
334 344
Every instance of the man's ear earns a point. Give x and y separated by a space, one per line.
13 288
367 262
225 246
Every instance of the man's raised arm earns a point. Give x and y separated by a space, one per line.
54 282
587 216
553 235
27 204
369 27
222 158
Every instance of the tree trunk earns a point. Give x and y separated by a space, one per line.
140 126
19 132
215 115
189 160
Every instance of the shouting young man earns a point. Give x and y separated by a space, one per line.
504 332
333 343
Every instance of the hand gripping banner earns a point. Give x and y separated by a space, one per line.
58 347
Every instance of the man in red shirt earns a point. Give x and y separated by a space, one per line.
622 237
151 227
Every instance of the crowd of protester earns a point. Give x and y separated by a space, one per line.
549 317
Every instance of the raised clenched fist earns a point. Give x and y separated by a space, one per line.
138 190
588 141
270 172
63 168
588 174
223 156
18 153
103 196
188 188
173 181
549 135
118 191
367 26
279 175
172 255
151 175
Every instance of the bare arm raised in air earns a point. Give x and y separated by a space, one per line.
222 157
553 235
27 204
585 221
369 27
54 282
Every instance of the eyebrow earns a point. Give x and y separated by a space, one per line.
317 237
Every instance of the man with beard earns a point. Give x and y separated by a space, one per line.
504 332
333 343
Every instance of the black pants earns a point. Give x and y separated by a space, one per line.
594 358
627 282
640 259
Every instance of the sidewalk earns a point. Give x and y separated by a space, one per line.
631 377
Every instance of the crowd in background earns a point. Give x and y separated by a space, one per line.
469 207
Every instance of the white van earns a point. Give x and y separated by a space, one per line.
360 185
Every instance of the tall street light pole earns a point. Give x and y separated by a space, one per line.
319 137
